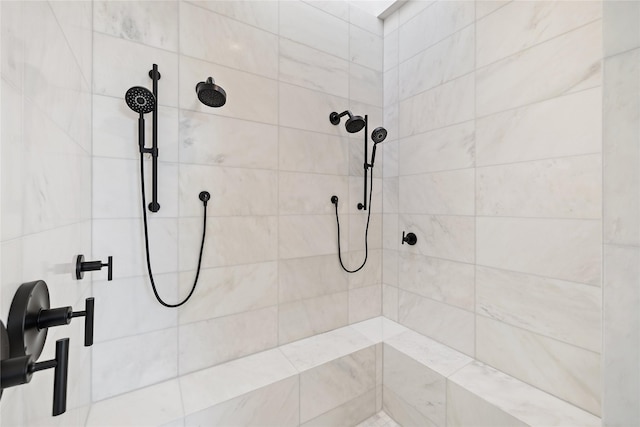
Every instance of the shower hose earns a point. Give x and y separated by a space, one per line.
146 246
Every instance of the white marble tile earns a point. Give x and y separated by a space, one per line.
448 193
565 64
530 405
13 42
391 49
401 412
224 141
566 311
365 48
240 334
234 191
273 405
233 379
305 24
12 162
390 302
229 290
570 249
309 110
371 273
439 279
563 126
569 187
363 18
249 96
305 193
150 406
70 418
465 408
322 348
415 384
302 278
426 111
621 140
451 58
412 9
153 24
337 8
520 25
390 198
485 7
620 26
390 86
350 413
390 268
621 389
309 317
447 324
307 235
237 45
447 148
441 236
134 362
330 385
365 85
302 151
365 303
379 329
76 21
261 14
569 372
390 240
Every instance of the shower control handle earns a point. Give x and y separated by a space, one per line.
62 316
410 238
82 266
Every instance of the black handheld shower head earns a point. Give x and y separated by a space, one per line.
140 99
378 135
353 124
210 94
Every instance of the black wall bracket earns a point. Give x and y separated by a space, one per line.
410 239
82 266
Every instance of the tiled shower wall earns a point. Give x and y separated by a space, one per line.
496 109
270 159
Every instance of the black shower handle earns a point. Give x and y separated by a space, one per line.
88 315
63 315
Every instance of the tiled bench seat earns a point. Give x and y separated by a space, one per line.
341 378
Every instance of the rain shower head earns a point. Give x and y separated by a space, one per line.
353 124
210 94
140 99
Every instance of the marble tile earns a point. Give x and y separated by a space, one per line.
13 43
485 7
322 348
566 64
233 379
426 111
365 48
401 411
363 18
365 85
224 141
305 109
244 333
416 384
391 50
390 302
569 187
442 149
441 236
439 279
304 193
518 26
135 61
390 268
450 325
311 152
150 406
434 23
307 235
447 193
238 45
303 278
153 24
330 385
311 68
230 290
76 21
620 148
379 329
250 96
273 405
71 418
234 191
465 408
621 388
451 58
305 24
365 303
569 372
620 25
570 250
130 363
563 126
12 162
412 9
531 406
390 199
305 318
350 413
569 312
337 8
391 87
372 270
261 14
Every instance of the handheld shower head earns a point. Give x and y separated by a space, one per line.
140 99
353 124
378 135
210 94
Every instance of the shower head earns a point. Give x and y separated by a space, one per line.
140 99
210 94
378 135
354 124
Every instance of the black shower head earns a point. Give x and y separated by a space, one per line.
140 99
354 124
210 94
378 135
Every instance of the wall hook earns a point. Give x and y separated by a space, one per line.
82 266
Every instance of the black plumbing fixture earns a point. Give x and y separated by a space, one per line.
142 101
210 94
354 124
82 266
410 239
